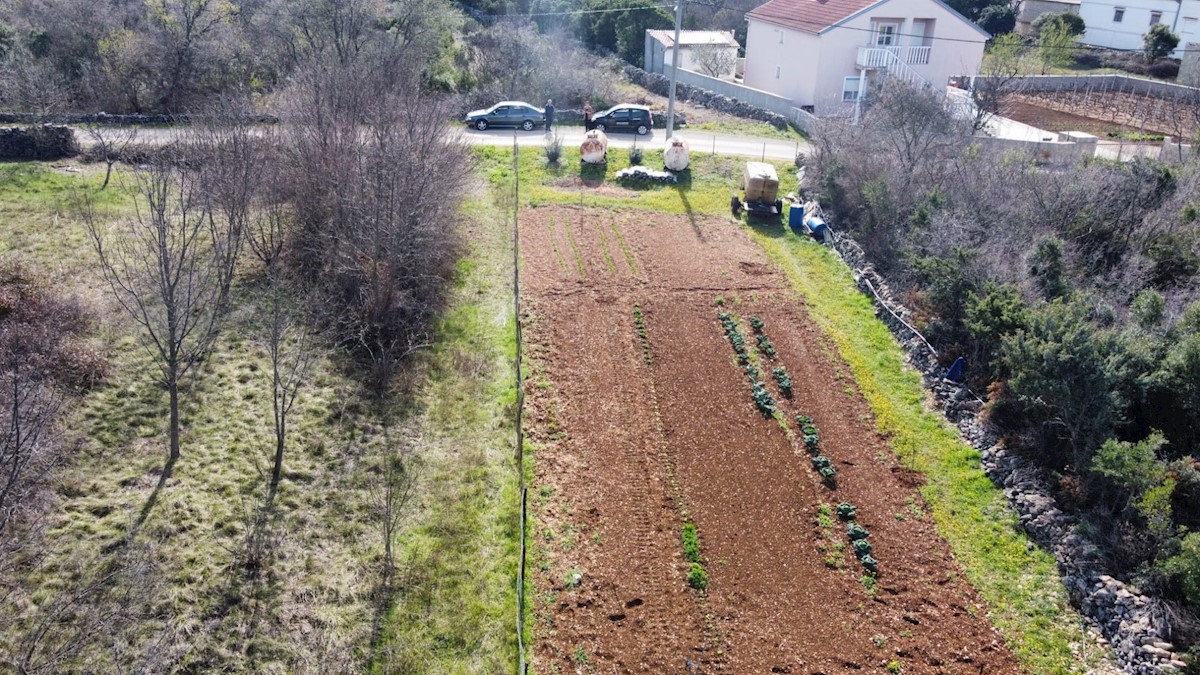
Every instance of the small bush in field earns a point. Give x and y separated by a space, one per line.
856 532
862 548
636 155
697 577
871 564
554 150
691 543
847 511
756 324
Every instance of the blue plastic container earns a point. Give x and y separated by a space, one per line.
796 218
818 228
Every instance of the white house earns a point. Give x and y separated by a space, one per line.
824 54
711 52
1120 24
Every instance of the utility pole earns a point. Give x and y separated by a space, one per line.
674 68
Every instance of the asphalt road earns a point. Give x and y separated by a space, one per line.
698 141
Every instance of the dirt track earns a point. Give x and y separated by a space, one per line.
626 449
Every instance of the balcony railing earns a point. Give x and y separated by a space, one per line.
874 56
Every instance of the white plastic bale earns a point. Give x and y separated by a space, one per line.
675 154
594 149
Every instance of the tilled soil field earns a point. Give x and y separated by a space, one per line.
643 420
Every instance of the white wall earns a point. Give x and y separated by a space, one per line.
687 60
796 58
1102 31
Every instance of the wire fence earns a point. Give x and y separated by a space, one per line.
519 452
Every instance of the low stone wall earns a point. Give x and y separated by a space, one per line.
661 85
41 143
1133 624
123 120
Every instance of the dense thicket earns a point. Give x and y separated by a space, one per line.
1071 291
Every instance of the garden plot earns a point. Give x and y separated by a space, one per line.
654 463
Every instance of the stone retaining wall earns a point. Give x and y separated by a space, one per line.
41 143
661 85
1131 623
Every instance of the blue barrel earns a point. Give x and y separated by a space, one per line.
796 218
818 228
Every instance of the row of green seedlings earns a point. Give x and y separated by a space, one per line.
758 389
697 577
859 537
639 322
812 441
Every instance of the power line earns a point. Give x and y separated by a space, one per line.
822 24
575 12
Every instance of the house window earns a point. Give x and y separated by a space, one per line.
850 88
1155 17
1118 14
777 71
885 34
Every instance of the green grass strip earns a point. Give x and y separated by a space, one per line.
574 248
624 247
562 264
1020 583
608 259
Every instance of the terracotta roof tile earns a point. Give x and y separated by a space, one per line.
809 16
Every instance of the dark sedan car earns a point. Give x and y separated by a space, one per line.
625 117
507 114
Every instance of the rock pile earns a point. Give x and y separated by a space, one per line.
1133 624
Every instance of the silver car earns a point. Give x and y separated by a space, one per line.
507 114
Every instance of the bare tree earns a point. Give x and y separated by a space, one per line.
1000 77
287 343
110 143
169 269
716 60
390 495
31 403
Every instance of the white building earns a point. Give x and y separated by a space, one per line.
711 52
823 54
1120 24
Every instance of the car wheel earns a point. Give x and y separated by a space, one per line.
642 130
481 125
527 125
601 127
779 206
735 206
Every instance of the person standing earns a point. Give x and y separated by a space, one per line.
587 116
549 114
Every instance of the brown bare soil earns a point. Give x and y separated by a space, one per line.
627 450
1099 113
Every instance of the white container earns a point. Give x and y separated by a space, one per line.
594 149
675 154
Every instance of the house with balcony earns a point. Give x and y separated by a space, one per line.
827 55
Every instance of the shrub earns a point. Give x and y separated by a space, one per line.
847 511
1071 21
691 543
554 149
871 564
812 442
998 19
697 577
1158 42
636 155
757 324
